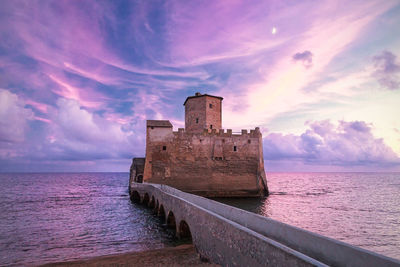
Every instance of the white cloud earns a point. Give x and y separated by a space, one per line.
13 117
324 143
78 133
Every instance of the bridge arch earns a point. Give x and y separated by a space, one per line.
171 222
184 231
135 196
146 199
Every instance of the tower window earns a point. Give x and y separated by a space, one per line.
197 120
211 126
234 148
210 106
249 141
164 148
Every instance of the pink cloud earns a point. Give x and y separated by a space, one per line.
42 119
39 106
84 97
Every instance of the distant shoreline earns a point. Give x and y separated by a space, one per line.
183 255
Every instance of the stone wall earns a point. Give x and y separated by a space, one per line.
213 113
137 170
195 115
203 112
212 163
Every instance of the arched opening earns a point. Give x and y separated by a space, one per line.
146 199
161 213
171 220
135 197
184 232
139 178
152 203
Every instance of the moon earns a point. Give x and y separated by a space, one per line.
273 30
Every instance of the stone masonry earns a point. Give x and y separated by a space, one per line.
203 158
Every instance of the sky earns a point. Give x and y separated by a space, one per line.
79 79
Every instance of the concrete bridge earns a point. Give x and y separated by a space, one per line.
233 237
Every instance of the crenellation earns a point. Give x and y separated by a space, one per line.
205 159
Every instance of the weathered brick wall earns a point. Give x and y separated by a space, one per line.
213 113
156 139
195 109
203 112
210 163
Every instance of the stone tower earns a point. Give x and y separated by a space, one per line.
203 111
203 159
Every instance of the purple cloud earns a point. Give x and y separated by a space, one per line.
304 57
387 69
345 144
81 78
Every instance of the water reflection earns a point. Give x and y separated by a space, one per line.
256 205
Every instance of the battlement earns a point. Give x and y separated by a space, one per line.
253 133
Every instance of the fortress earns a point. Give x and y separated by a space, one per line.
203 159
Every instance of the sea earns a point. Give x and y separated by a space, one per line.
53 217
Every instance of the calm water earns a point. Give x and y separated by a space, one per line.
362 209
56 217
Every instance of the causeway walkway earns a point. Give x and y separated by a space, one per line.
233 237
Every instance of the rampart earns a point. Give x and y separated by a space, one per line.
213 163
